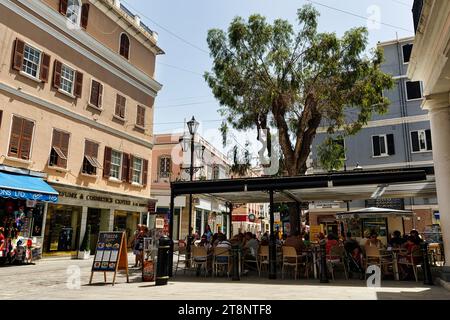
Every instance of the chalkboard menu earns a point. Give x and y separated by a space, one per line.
107 251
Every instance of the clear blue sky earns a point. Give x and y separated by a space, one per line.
180 70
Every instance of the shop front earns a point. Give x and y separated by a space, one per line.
66 222
23 203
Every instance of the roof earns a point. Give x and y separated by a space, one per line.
332 186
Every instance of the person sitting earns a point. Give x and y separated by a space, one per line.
223 242
295 241
373 240
331 242
415 236
397 240
204 242
353 248
306 240
406 257
251 246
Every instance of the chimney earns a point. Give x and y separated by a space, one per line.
137 20
117 3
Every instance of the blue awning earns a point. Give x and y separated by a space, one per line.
26 188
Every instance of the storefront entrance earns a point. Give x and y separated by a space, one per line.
126 221
62 229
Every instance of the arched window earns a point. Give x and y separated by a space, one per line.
124 46
74 11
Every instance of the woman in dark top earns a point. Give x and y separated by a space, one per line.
397 240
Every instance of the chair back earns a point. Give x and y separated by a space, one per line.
372 251
289 252
199 252
337 251
264 251
221 252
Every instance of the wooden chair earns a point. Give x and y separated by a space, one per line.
199 259
414 260
292 259
375 257
337 257
263 258
217 263
180 250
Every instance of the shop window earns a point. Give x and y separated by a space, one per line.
140 116
67 80
406 50
31 61
124 46
95 99
421 141
120 106
413 90
165 165
21 138
60 149
90 162
383 145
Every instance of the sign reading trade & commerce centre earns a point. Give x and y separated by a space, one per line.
75 196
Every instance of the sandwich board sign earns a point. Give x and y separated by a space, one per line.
110 254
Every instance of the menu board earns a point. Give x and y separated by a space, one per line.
107 252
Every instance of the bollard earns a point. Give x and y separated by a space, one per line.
426 268
323 262
235 255
162 268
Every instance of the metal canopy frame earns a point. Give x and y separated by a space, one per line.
288 189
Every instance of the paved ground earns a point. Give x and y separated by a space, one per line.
57 279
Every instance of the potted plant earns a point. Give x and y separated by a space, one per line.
85 248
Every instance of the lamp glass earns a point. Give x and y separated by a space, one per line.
193 126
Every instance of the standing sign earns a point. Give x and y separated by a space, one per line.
110 254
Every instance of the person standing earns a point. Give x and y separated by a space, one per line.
136 242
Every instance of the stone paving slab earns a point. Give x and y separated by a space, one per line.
57 279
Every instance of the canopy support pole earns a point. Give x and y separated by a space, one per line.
299 217
230 220
272 243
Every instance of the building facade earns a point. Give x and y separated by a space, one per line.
77 90
169 161
401 138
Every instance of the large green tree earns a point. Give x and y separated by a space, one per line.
271 76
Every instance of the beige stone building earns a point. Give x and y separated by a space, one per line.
77 90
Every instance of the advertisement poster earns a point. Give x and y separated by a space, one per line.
314 232
107 251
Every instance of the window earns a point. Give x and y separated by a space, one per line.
67 79
120 106
413 90
140 117
215 171
31 61
406 50
96 94
90 162
383 145
21 137
421 140
137 170
165 165
73 12
116 164
124 49
60 149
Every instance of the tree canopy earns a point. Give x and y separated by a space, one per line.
271 76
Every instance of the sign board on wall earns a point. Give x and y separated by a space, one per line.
277 217
159 223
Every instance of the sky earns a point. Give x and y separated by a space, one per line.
182 27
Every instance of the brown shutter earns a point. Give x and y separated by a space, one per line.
19 49
145 172
125 167
57 74
14 142
63 7
45 68
94 93
140 118
100 95
107 163
78 84
64 146
120 106
130 169
84 15
1 116
89 148
26 138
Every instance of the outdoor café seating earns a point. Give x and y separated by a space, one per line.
292 259
263 258
375 256
221 260
200 259
335 258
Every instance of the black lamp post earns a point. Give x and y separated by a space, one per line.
187 142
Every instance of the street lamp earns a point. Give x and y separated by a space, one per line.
185 141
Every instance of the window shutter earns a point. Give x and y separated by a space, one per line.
130 169
16 129
19 49
45 67
63 7
57 74
64 146
145 172
415 141
428 137
1 116
125 167
84 15
107 163
100 94
94 93
25 141
390 144
78 84
56 141
140 117
120 106
376 146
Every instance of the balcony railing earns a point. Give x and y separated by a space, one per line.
417 12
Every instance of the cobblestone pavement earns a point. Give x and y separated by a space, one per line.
57 279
